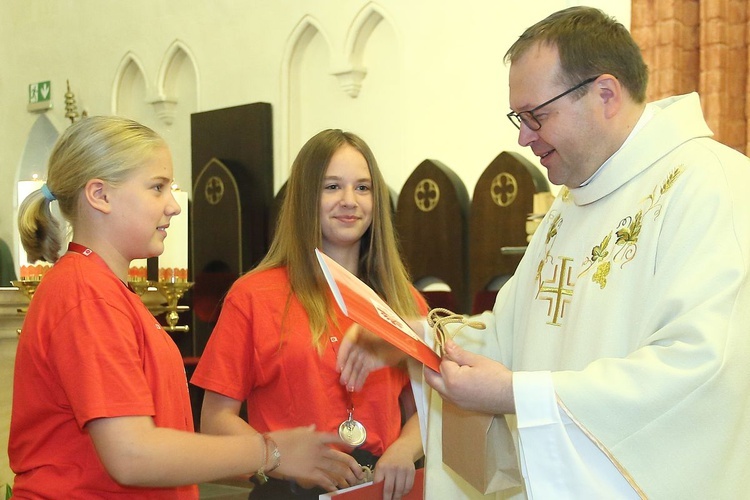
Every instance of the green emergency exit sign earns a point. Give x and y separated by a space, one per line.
40 96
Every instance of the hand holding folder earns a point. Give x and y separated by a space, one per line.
360 303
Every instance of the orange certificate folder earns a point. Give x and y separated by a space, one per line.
374 491
360 303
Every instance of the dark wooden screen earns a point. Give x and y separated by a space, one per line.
431 220
503 199
232 155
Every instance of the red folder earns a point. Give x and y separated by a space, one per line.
374 491
360 303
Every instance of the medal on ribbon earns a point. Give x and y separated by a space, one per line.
351 431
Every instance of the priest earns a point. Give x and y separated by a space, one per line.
620 349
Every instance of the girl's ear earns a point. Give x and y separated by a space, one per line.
95 193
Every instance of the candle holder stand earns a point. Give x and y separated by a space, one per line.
140 286
26 287
152 294
173 291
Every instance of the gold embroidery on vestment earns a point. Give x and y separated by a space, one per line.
600 276
600 252
626 233
558 290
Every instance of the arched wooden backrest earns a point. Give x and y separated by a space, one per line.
431 220
232 158
219 242
503 199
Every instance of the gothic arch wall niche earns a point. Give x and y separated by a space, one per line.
352 73
318 93
307 33
42 138
130 91
33 166
175 100
373 51
177 84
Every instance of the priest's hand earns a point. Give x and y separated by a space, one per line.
473 382
362 352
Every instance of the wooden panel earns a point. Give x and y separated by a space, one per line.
431 220
503 199
232 193
219 243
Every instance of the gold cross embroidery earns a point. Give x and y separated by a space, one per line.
557 288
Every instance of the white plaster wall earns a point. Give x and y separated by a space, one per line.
447 103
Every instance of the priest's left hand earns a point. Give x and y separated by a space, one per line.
473 382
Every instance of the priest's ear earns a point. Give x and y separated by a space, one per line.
96 195
611 93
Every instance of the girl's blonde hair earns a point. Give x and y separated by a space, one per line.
298 233
98 147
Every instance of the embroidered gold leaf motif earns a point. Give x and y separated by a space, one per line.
629 234
553 227
600 252
539 270
555 220
673 175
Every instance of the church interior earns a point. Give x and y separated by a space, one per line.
236 87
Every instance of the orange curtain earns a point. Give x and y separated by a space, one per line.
694 45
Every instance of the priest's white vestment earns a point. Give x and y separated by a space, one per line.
632 306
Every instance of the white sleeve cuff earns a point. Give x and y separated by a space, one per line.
558 460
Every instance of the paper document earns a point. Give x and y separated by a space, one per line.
360 303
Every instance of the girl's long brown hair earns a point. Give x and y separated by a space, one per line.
298 233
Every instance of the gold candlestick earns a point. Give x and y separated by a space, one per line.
173 290
140 286
26 286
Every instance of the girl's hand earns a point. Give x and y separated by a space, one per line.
308 458
362 352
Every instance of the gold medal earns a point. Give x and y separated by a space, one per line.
352 432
